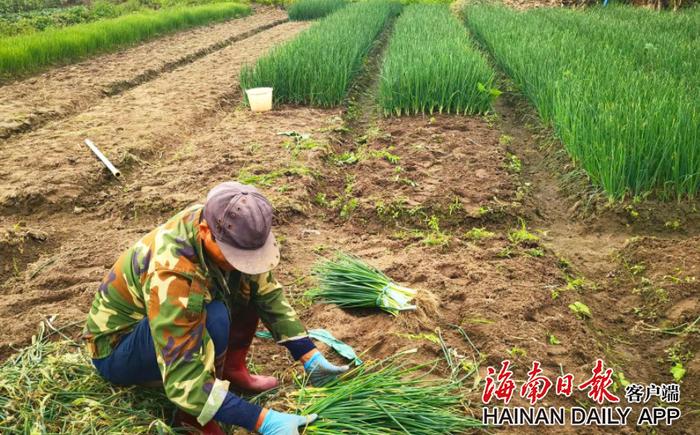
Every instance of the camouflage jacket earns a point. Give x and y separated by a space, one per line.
167 277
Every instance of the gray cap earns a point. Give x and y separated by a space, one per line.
240 219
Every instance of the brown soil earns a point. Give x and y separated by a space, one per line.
64 221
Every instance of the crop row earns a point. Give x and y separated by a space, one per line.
626 108
318 66
312 9
28 53
431 65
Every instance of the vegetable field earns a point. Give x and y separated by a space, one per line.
464 194
318 67
431 65
625 108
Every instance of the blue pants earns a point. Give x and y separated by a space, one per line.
133 361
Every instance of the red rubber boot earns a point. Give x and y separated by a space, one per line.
189 422
243 326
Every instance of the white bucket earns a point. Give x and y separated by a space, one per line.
260 99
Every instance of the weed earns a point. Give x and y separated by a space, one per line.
478 321
319 249
346 202
406 181
455 206
491 119
581 310
505 139
516 352
514 163
348 208
266 179
253 148
297 145
521 236
386 155
346 158
436 237
398 209
637 269
522 191
652 298
673 225
575 283
484 210
535 252
506 252
551 339
678 357
479 234
321 200
15 268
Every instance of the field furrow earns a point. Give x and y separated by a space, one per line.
58 93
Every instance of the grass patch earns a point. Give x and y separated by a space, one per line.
28 53
267 179
431 65
479 234
620 96
521 236
316 68
313 9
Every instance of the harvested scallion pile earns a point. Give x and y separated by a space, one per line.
385 397
349 282
52 387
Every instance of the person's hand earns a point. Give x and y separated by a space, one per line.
279 423
321 371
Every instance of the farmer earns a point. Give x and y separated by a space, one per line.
181 306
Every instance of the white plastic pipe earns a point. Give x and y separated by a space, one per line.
105 161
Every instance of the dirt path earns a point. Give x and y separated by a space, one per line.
636 266
61 92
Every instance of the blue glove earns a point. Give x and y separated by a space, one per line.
321 371
279 423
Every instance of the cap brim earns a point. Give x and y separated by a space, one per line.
253 261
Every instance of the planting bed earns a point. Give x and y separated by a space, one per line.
468 210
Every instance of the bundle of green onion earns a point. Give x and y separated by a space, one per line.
383 398
349 282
